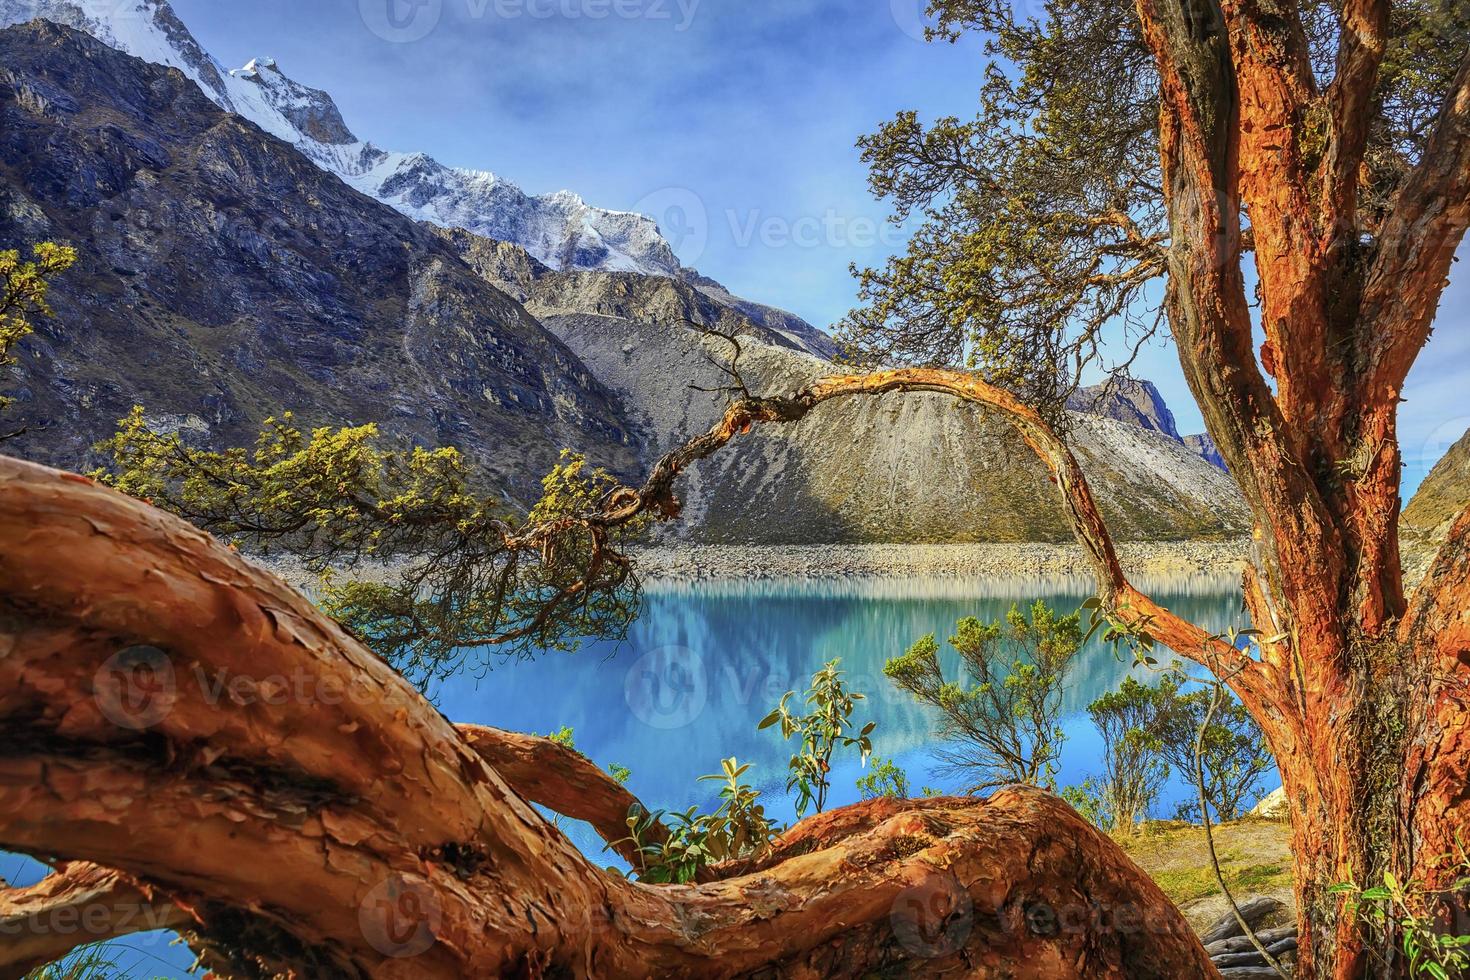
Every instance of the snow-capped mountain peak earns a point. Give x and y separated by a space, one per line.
559 229
310 112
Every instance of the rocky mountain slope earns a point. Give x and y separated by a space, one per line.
1140 403
559 229
224 277
1426 521
904 467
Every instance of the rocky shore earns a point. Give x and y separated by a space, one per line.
1170 560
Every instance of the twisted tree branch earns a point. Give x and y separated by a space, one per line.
319 818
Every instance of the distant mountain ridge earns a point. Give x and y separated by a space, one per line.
222 278
225 277
559 229
1140 403
900 468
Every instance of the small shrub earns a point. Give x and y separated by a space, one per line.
1131 721
1002 723
822 731
737 828
884 779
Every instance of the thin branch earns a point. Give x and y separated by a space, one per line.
1216 697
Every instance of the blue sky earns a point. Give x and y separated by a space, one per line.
741 112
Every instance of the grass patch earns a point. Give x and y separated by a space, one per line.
1254 855
1190 884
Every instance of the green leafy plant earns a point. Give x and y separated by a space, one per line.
1131 722
678 858
1120 632
563 736
737 828
23 288
1087 799
1003 724
1407 910
885 778
822 730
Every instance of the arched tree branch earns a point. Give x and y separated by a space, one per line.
657 494
172 711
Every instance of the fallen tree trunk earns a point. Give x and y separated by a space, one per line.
173 712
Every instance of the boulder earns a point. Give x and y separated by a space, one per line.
1253 910
1272 805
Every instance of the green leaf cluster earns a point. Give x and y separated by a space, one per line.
884 780
1410 915
826 726
413 559
1000 722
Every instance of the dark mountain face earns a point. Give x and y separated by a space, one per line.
1134 402
223 277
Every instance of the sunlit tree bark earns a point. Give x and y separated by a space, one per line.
181 717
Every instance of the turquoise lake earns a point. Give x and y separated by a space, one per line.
705 662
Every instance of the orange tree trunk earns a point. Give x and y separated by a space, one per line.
1359 688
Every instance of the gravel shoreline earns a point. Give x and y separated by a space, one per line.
880 569
1145 560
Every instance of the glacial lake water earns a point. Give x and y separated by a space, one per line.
705 662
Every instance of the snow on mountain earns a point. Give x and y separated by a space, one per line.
559 229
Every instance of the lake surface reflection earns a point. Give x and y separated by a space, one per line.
706 661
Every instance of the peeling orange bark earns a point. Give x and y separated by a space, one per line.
322 819
1363 716
79 903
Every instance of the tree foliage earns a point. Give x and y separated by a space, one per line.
413 559
23 288
1042 217
1233 752
1001 723
885 778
